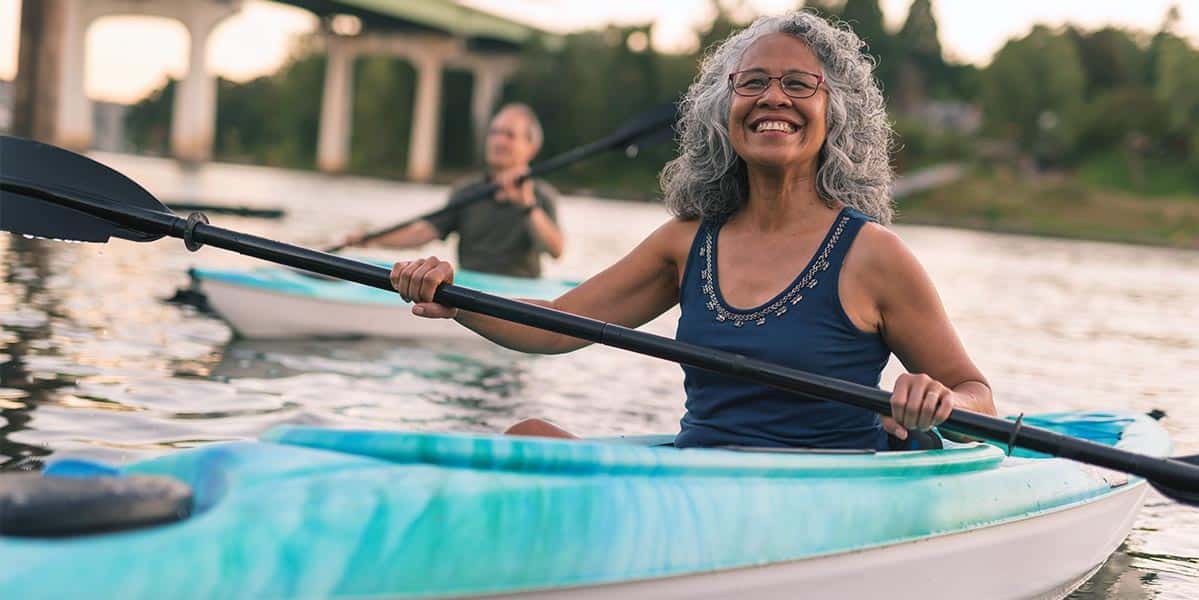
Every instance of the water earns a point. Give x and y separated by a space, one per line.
94 365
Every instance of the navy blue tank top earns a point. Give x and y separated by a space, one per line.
804 327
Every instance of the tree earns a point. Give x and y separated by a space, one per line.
922 70
1032 92
1177 87
866 19
826 8
1112 59
148 122
919 39
721 27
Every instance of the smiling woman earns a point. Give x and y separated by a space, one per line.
778 252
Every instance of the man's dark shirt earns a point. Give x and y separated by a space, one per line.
494 236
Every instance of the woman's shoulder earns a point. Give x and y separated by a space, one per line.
679 227
880 251
673 239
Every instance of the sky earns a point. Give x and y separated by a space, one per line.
130 56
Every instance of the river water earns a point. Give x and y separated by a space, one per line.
93 364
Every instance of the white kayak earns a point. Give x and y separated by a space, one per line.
272 302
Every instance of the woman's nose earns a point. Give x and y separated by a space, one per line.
773 95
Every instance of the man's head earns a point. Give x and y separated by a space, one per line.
513 138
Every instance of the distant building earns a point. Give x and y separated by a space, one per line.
949 116
108 119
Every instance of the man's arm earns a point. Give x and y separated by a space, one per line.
543 220
412 236
545 231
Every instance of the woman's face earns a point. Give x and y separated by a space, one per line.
773 130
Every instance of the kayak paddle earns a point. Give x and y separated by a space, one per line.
50 192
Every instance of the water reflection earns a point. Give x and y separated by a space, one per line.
25 316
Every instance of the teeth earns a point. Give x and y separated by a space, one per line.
775 126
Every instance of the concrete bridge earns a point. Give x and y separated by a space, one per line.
432 35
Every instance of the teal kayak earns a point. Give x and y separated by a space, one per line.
319 513
272 302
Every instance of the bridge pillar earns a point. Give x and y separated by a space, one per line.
73 125
489 76
337 103
194 117
426 118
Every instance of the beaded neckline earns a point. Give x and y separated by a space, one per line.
777 308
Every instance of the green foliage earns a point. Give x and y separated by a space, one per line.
1111 58
1122 118
918 146
1156 176
382 125
1033 91
1177 72
866 19
1069 97
149 121
919 37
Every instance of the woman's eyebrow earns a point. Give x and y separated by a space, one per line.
787 72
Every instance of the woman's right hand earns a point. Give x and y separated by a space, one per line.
417 281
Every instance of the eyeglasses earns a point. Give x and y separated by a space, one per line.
796 84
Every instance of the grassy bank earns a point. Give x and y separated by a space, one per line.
1058 205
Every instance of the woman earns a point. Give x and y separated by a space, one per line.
778 250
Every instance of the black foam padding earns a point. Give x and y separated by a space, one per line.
33 505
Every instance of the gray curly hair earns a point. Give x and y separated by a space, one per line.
709 181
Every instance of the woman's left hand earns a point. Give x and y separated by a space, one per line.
918 402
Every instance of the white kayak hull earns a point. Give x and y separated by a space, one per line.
259 313
275 303
1043 557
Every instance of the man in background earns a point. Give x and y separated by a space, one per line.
506 234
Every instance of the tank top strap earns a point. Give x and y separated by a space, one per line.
695 260
846 229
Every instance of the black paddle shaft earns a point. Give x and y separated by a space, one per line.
1177 479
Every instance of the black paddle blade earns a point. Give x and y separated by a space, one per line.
29 168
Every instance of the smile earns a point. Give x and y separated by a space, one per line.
771 125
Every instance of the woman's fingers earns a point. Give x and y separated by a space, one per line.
943 409
894 428
920 402
928 407
899 400
397 277
439 273
417 282
401 276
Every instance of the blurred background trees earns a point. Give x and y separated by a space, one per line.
1114 107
